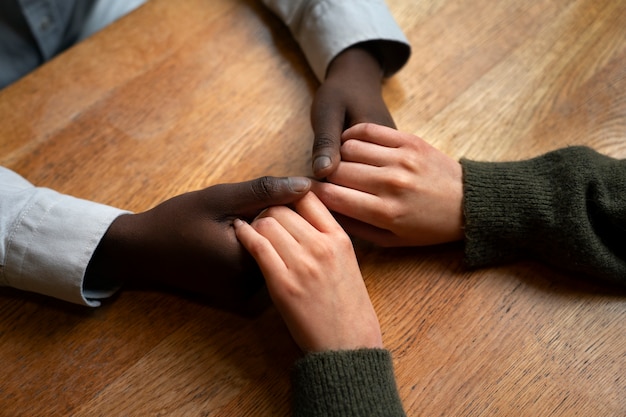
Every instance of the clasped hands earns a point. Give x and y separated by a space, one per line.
385 186
390 188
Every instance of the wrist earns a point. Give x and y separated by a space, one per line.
457 217
359 59
112 255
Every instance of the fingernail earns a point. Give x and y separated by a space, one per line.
237 223
320 163
299 184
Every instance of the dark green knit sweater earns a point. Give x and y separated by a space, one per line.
346 383
567 208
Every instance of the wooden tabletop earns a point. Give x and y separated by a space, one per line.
181 95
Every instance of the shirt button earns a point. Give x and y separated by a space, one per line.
44 23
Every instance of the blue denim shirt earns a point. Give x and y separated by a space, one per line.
34 31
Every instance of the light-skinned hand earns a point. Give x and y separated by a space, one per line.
312 276
394 189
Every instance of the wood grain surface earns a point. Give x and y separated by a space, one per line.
181 95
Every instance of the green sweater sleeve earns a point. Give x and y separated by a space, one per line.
348 383
566 208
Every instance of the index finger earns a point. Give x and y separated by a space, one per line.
359 205
315 212
377 134
261 249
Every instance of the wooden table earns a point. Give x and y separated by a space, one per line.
181 95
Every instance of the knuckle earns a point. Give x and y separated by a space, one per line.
271 213
368 128
397 183
320 252
350 145
290 291
345 242
265 188
325 141
390 213
408 162
263 224
401 181
389 217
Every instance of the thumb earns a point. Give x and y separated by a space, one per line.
327 119
248 199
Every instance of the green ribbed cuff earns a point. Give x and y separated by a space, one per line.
565 208
346 383
505 204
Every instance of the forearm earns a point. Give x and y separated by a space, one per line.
359 61
346 383
567 208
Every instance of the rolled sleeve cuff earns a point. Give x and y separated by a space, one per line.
328 27
52 243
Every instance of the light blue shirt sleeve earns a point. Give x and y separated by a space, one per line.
324 28
47 240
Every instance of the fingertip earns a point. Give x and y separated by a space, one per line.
350 132
321 163
323 166
356 130
248 237
299 184
269 191
369 128
239 226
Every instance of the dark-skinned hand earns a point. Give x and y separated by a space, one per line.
188 243
350 94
